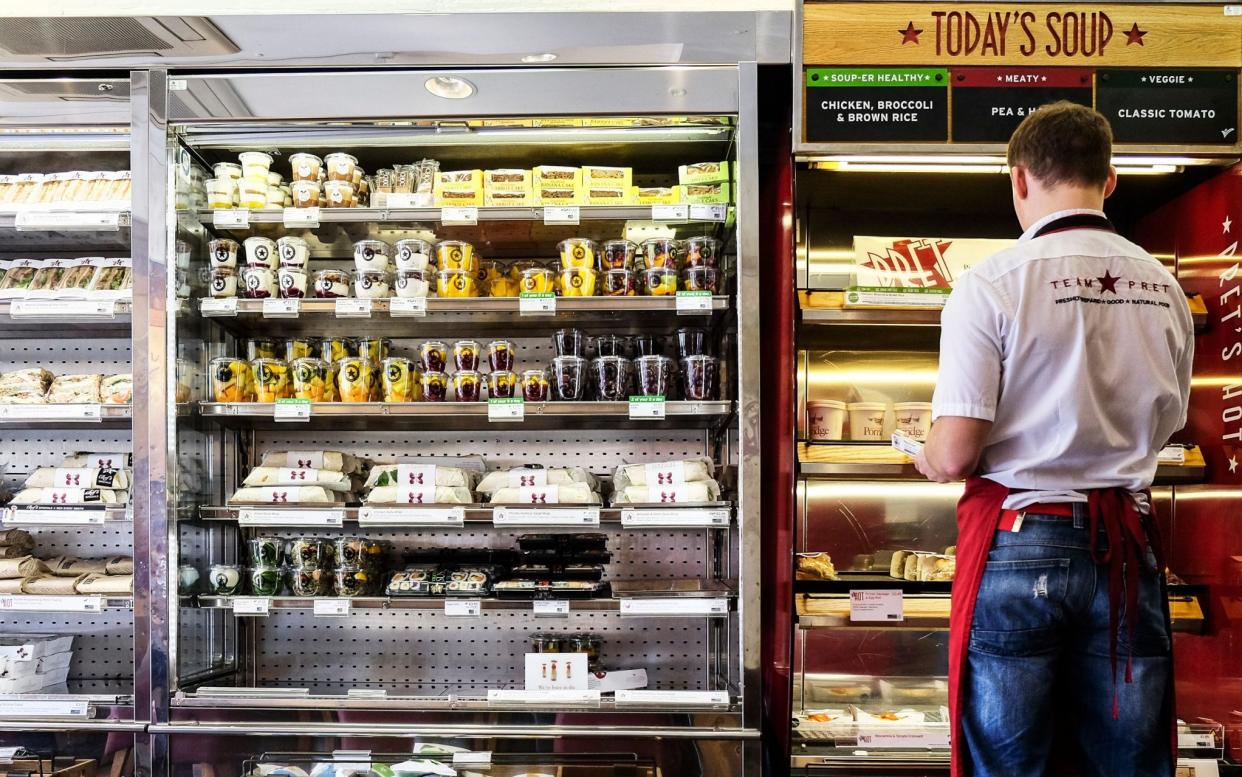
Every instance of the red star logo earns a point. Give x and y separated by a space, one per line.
1135 35
1108 282
909 34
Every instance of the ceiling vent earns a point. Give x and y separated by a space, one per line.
59 39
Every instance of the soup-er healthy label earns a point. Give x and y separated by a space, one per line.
1170 106
877 104
990 103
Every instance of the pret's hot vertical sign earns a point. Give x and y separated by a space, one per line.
877 104
990 103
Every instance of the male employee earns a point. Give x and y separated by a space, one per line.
1064 368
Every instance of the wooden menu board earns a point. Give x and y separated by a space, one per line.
1035 35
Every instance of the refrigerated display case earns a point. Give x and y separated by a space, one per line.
70 635
371 605
872 552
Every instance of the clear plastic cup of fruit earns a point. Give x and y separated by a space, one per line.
577 252
617 255
698 378
466 354
659 281
501 355
231 380
435 386
620 283
569 342
271 380
502 384
353 379
468 385
578 282
569 378
610 345
399 380
700 279
310 379
433 356
659 252
654 376
701 252
611 377
535 386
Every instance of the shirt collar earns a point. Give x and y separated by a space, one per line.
1038 225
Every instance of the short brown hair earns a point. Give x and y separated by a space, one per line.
1064 142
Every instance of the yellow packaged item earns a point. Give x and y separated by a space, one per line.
231 380
607 177
456 283
577 252
353 379
400 380
271 380
310 379
578 282
537 280
599 196
656 195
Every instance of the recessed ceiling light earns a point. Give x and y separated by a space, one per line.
449 87
534 58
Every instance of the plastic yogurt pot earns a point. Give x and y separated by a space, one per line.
867 420
260 252
913 418
825 419
255 165
293 251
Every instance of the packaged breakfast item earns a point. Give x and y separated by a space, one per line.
284 495
335 461
291 282
663 473
419 495
79 477
568 493
28 386
286 476
519 477
418 475
697 492
114 276
33 496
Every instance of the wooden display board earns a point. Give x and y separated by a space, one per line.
1035 34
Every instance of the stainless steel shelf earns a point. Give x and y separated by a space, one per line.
433 215
484 315
66 604
60 709
869 762
649 516
58 416
83 235
34 516
714 723
380 416
66 324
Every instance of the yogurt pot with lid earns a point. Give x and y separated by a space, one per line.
867 420
913 418
371 255
255 165
341 167
260 252
293 251
825 419
305 167
332 283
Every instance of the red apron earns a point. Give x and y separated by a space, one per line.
979 515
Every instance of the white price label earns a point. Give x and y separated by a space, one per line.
332 608
29 603
542 697
231 218
349 307
63 308
674 606
281 308
680 518
65 516
646 408
1196 740
401 200
43 708
463 608
67 221
694 302
273 516
301 217
709 212
412 516
91 412
876 605
693 698
218 307
251 605
468 215
291 410
561 214
408 307
551 608
480 758
904 740
506 409
535 303
1233 10
177 85
670 212
545 516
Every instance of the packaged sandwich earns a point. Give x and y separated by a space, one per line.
312 459
74 389
73 477
285 476
535 476
284 495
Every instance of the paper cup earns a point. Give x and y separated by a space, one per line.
913 418
825 419
867 420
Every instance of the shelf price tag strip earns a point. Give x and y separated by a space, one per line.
545 516
55 515
709 212
104 309
37 706
218 307
275 516
923 740
694 302
647 408
480 758
35 220
291 410
233 218
876 605
542 697
551 608
252 605
692 698
674 606
332 608
463 608
407 307
502 409
467 216
537 303
281 308
561 214
637 518
301 217
670 212
412 516
31 603
91 412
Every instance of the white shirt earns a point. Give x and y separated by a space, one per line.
1078 346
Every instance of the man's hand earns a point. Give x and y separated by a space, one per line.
953 448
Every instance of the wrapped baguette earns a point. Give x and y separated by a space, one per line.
52 586
391 495
937 568
422 475
283 476
13 585
70 496
117 585
334 461
663 473
535 476
568 493
72 566
79 477
683 493
284 495
23 566
120 565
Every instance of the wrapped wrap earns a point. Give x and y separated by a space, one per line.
284 495
682 493
663 473
569 493
52 586
23 566
334 461
70 496
79 477
457 495
283 476
95 585
453 477
535 476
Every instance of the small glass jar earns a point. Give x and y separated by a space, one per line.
456 255
468 386
435 386
371 284
660 281
293 251
617 255
354 379
310 379
456 284
266 551
341 166
372 255
502 384
332 283
304 167
338 194
292 282
620 283
433 356
466 354
546 643
223 253
223 282
399 380
231 380
413 254
261 252
258 283
411 283
577 253
535 386
589 644
224 579
271 380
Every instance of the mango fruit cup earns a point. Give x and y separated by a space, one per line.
231 380
271 380
310 379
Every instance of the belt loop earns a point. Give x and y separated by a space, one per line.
1080 516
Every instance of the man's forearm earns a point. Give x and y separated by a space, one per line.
953 448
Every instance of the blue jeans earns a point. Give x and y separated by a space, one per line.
1038 656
